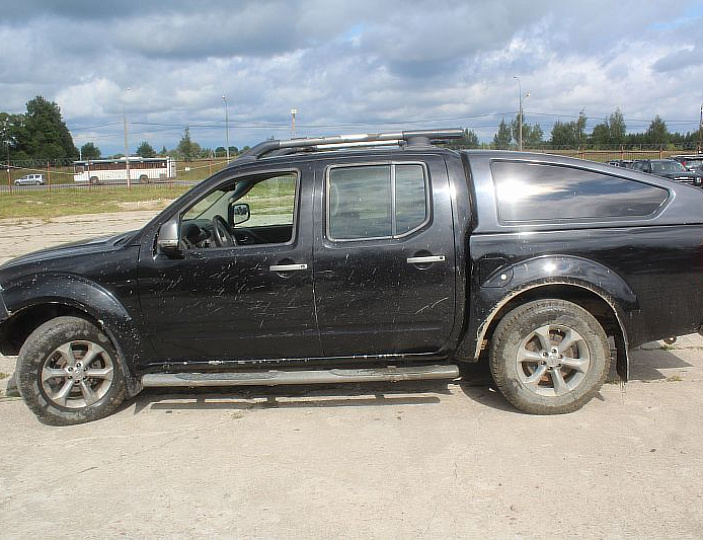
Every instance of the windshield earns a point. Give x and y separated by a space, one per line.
667 167
207 207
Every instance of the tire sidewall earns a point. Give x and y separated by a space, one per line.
517 325
33 355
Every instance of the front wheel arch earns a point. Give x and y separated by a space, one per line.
68 372
16 331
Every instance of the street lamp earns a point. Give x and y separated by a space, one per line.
293 112
519 115
224 98
126 143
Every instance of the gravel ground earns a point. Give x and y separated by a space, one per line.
420 460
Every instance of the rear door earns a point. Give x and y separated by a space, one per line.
384 258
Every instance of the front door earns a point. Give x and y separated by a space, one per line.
241 299
384 257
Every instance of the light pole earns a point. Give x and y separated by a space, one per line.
293 112
224 98
519 115
126 144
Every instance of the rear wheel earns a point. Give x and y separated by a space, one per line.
144 179
68 372
549 357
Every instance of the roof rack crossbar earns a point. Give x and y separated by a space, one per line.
367 139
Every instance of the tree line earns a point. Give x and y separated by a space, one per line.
611 133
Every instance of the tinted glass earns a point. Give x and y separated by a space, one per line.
360 202
538 192
410 207
667 166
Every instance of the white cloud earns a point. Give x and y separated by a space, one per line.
347 66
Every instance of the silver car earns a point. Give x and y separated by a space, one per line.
30 180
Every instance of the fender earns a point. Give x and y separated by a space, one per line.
84 295
510 281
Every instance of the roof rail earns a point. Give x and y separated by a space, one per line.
417 137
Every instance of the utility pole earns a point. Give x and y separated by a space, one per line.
700 132
293 112
224 98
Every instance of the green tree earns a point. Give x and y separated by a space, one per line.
90 151
657 132
187 149
570 134
469 139
612 132
618 129
145 150
501 140
12 133
45 135
532 135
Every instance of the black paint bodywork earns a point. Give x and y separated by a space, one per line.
360 301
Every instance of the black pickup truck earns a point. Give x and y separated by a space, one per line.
364 258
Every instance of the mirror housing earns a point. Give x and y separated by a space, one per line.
168 242
238 213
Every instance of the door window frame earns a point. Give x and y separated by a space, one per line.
393 165
267 173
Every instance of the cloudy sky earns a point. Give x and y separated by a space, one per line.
347 67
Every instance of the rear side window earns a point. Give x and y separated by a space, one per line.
542 192
376 201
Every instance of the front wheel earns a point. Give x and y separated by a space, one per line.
549 357
68 372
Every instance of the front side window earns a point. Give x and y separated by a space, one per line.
534 192
253 210
376 201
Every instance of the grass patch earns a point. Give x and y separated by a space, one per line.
3 375
69 202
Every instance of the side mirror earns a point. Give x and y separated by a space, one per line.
239 213
168 241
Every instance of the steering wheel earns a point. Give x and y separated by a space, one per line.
221 233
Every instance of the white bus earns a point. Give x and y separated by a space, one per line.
107 171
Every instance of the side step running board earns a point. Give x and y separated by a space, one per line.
274 378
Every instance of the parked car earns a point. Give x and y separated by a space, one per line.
691 162
30 180
668 168
329 260
625 163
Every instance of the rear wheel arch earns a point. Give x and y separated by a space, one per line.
603 308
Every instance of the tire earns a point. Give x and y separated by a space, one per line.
144 179
533 366
94 181
57 384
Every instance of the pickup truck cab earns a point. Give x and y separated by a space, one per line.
364 258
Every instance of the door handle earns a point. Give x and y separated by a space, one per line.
426 260
288 267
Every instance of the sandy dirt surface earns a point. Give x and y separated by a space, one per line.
420 460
